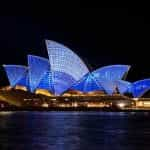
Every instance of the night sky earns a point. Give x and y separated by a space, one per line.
99 36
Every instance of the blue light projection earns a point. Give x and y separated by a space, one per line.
65 70
66 66
15 74
108 86
123 86
140 87
46 82
107 76
111 73
62 59
38 66
87 84
24 81
61 82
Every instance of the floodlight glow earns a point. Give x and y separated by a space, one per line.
121 105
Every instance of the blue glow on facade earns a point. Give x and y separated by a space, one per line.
38 67
111 73
61 82
108 86
87 84
66 67
108 75
140 87
123 86
24 81
64 60
15 74
64 70
46 82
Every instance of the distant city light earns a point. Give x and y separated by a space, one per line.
121 105
45 105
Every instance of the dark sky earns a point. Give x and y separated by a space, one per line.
99 36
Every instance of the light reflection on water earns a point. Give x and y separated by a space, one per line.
3 113
74 130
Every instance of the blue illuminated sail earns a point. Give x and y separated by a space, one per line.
111 73
38 67
66 66
46 82
87 84
109 86
108 75
16 74
123 86
140 87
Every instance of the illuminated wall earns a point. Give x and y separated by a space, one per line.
46 82
38 68
61 82
108 86
123 86
25 81
65 70
87 84
107 76
140 87
63 59
66 66
17 74
111 73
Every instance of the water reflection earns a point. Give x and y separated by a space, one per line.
74 130
4 113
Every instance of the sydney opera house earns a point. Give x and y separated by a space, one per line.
64 76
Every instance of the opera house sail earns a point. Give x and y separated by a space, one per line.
123 86
64 70
66 67
87 84
17 75
39 68
140 87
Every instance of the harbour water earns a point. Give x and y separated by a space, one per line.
74 130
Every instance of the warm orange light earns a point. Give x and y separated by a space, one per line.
45 105
121 105
19 87
43 92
